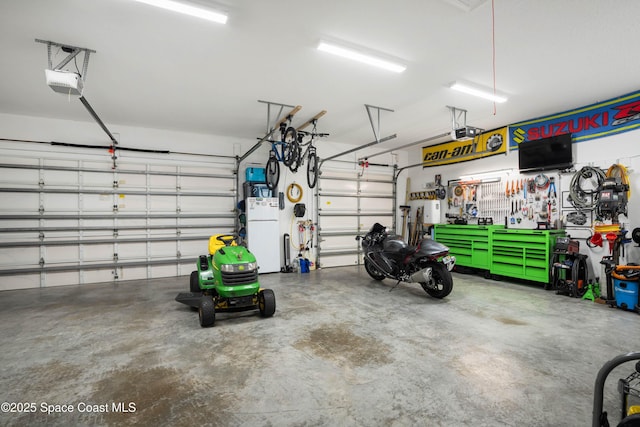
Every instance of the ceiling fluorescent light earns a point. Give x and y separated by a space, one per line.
360 57
475 90
187 9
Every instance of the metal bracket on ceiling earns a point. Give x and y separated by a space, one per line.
422 141
72 51
458 120
271 128
278 119
375 124
385 139
458 117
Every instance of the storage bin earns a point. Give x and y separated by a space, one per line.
255 175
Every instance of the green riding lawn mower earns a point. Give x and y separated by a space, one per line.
227 281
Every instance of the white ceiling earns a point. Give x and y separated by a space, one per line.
154 68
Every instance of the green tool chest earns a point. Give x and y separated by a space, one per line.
524 254
470 244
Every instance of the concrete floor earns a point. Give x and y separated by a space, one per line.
340 350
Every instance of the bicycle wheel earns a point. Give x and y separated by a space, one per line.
312 168
290 135
297 158
272 172
290 153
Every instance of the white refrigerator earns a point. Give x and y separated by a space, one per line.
263 231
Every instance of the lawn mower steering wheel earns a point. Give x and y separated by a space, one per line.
227 239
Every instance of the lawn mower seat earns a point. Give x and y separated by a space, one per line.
215 244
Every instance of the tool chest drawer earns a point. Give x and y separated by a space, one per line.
470 244
523 254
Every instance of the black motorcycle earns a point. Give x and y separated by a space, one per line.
389 256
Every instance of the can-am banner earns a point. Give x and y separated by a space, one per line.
484 145
605 118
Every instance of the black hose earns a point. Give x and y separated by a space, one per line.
578 195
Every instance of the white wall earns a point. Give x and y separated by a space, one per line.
603 152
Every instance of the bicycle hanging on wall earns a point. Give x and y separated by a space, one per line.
309 153
281 151
289 151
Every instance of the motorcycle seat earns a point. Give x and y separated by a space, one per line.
408 250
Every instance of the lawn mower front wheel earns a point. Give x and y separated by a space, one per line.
266 302
207 312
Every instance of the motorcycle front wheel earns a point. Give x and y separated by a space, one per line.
372 270
441 282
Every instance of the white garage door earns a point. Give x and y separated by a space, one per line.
72 218
349 202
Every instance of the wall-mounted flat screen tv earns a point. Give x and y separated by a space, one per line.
546 154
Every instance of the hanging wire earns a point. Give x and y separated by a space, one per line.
620 171
493 48
581 197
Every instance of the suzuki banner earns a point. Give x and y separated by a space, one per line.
594 121
484 145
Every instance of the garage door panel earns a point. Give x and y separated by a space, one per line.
339 186
10 177
351 202
23 281
366 222
132 273
338 204
61 254
226 222
60 178
194 248
338 261
158 204
376 188
19 236
203 184
97 203
163 249
88 206
132 203
204 232
376 205
18 257
97 276
338 223
340 242
163 182
98 253
18 223
130 181
166 271
206 204
61 278
97 180
128 234
133 251
20 202
60 202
